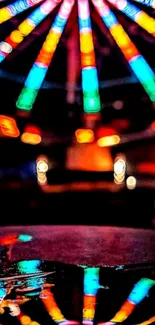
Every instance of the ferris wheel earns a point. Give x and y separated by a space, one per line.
41 10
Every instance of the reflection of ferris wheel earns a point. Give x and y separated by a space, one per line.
36 288
90 84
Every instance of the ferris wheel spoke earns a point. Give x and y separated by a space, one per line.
136 61
90 86
135 14
40 67
136 296
91 286
149 3
26 27
16 8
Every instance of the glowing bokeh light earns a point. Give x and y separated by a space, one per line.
40 67
8 126
109 141
84 135
90 86
131 182
136 61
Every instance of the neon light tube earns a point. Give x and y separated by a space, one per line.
91 286
90 87
26 27
137 63
39 69
138 293
16 8
51 306
149 3
136 14
149 321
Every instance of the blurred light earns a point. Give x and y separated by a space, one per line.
8 126
30 138
108 141
26 267
42 165
91 281
146 168
84 135
25 237
105 131
153 126
118 104
31 135
8 240
119 169
131 182
42 179
14 309
119 166
120 124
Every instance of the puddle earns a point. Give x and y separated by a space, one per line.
34 292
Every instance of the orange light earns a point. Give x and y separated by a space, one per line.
8 126
31 135
123 41
44 57
88 59
124 312
108 141
84 135
30 138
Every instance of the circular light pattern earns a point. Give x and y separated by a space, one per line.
5 47
131 182
42 166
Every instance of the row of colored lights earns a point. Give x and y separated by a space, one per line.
136 61
9 128
137 15
26 27
16 8
89 72
149 3
39 69
91 286
91 98
139 292
32 134
106 136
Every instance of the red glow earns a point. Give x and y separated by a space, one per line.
153 125
146 167
120 125
8 240
32 129
105 132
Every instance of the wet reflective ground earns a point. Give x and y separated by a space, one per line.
42 292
